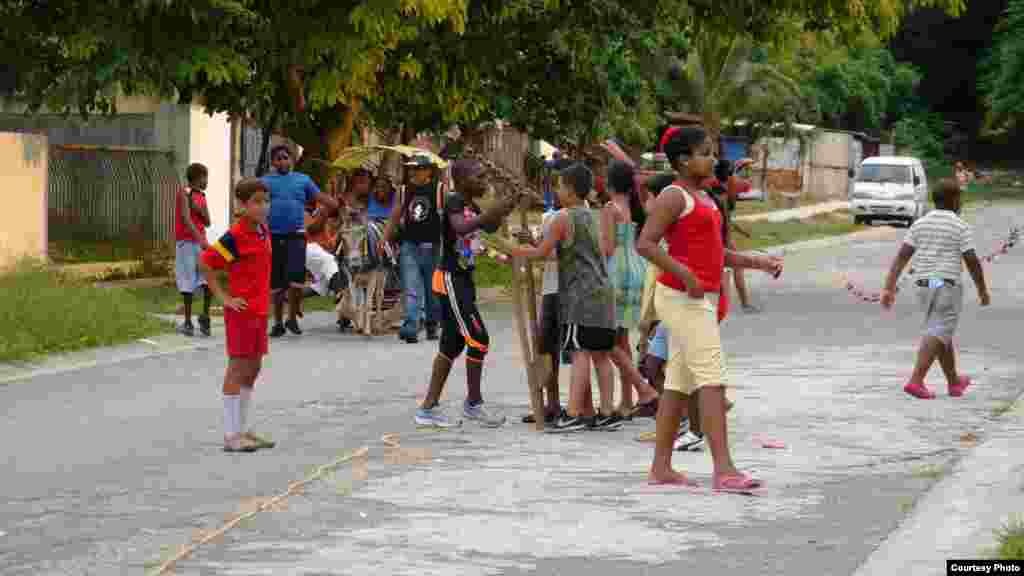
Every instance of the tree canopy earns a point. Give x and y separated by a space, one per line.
562 70
1003 81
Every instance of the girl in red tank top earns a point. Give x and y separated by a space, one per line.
693 264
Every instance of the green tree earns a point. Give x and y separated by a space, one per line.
306 64
862 87
721 81
1003 79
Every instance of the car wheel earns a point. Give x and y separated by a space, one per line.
858 219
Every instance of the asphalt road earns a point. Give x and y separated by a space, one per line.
108 469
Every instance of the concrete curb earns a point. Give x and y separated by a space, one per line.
801 213
104 356
958 517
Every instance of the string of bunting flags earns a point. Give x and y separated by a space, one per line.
1010 241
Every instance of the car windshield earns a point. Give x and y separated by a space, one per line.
885 173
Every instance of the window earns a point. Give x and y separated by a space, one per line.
885 173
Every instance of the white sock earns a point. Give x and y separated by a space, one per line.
231 406
245 400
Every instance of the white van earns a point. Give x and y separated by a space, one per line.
889 188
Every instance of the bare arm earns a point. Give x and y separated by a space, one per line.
489 221
547 246
665 210
204 212
213 280
608 230
978 275
326 200
185 208
740 260
898 264
391 229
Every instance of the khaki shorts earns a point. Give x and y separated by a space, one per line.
695 346
941 307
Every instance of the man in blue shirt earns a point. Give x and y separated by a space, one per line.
289 193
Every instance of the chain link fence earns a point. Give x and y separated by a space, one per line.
102 194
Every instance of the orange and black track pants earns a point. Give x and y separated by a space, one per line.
461 324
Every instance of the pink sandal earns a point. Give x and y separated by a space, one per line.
738 482
957 389
919 390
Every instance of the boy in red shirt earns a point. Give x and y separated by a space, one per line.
191 218
245 252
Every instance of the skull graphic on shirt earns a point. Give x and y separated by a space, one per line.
419 210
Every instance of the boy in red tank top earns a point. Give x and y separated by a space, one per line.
686 303
191 218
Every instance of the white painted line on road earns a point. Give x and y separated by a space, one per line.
29 374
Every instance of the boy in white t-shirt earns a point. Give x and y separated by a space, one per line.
550 327
938 243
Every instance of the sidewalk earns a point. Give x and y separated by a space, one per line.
958 518
795 213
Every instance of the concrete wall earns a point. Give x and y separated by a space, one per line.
210 143
23 179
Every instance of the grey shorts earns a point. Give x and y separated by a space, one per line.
186 266
941 307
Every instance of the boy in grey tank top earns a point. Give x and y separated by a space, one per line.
587 300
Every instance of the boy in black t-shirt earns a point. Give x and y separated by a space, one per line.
416 225
461 324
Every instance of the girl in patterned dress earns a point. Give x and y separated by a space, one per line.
626 270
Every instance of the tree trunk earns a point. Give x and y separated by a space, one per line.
263 166
322 139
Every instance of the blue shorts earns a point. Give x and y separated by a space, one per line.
657 345
186 266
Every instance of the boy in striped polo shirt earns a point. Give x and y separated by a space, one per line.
937 243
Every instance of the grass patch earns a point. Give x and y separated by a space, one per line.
44 312
1011 540
1003 408
991 192
931 471
490 273
768 234
82 251
773 203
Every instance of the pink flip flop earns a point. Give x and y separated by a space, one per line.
770 444
918 390
739 483
961 385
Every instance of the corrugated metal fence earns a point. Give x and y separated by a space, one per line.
106 193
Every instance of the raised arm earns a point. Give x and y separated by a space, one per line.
608 230
559 231
489 221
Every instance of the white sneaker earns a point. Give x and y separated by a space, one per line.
485 416
435 417
689 442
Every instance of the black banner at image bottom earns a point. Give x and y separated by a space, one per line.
968 567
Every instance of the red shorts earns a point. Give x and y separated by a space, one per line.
246 334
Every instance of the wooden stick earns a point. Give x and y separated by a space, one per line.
533 373
737 228
292 489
